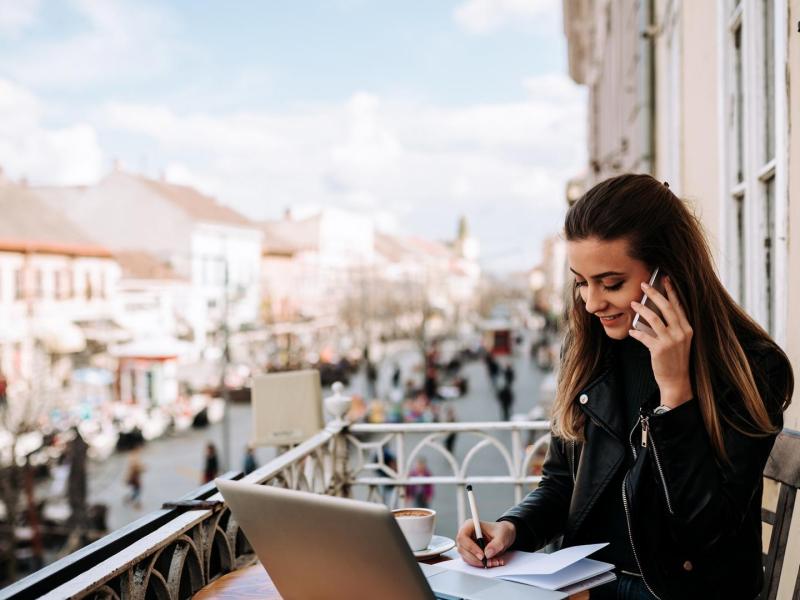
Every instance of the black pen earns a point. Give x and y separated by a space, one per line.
473 507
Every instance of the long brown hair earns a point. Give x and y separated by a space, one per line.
661 231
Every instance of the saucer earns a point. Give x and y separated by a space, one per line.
438 544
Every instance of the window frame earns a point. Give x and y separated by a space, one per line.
758 170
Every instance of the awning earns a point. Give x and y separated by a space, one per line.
103 331
59 336
154 348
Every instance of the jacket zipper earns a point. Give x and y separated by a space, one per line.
645 431
630 439
573 468
630 537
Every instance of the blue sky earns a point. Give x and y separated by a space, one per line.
414 112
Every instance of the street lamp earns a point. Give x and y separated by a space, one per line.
226 421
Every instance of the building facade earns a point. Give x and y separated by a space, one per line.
713 91
54 280
214 247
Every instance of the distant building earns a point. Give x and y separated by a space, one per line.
308 265
548 281
448 273
52 276
335 264
217 249
151 298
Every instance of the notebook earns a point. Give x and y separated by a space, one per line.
554 571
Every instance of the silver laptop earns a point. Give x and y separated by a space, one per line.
317 547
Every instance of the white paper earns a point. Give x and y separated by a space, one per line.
585 568
590 583
528 563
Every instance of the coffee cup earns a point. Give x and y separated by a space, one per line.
417 525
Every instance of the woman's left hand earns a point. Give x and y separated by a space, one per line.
671 345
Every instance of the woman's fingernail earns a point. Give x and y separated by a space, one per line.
489 553
645 285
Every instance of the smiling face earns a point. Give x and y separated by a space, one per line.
608 280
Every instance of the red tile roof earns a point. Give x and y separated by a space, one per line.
30 225
196 204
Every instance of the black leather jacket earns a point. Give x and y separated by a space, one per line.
694 522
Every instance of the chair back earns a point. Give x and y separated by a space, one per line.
781 480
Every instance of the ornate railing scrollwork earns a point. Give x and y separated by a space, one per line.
172 553
368 445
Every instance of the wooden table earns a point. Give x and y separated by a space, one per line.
253 582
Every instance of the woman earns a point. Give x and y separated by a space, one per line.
659 439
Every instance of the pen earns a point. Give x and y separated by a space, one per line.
473 508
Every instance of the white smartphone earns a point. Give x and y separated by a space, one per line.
639 322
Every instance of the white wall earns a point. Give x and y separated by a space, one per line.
212 248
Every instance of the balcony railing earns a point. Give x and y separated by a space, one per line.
172 553
369 444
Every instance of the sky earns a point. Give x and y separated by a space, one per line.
414 112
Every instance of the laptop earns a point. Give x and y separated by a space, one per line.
317 547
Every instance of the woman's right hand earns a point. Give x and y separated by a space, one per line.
499 537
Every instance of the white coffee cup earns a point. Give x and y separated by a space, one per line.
417 525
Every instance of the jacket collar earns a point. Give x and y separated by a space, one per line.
600 402
604 400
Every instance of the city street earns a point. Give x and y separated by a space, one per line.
174 464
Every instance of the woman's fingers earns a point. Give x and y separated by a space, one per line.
646 339
498 537
467 547
502 535
662 303
469 558
651 317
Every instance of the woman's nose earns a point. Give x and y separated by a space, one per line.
594 301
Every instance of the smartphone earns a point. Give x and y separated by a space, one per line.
639 322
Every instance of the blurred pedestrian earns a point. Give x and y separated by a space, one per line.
396 376
431 384
410 389
493 368
450 417
432 356
249 460
133 478
211 467
372 378
506 398
421 494
77 484
3 388
510 374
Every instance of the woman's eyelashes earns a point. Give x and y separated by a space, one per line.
609 288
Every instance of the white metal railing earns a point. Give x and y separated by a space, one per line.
367 445
172 554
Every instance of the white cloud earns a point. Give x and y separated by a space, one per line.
504 165
118 41
18 15
487 16
30 150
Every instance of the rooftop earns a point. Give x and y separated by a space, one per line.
144 265
29 225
